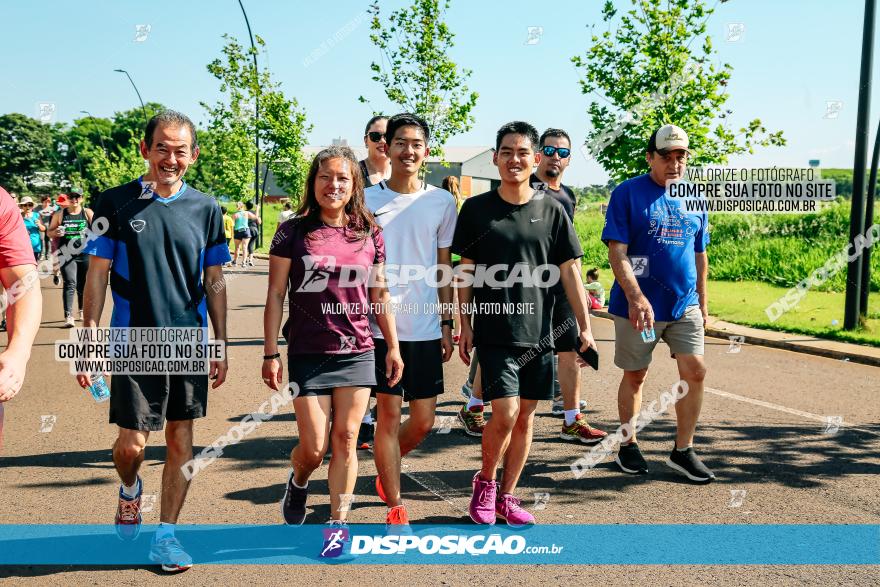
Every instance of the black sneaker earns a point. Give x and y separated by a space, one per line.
365 436
293 506
689 464
629 459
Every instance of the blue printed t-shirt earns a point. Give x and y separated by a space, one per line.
159 248
654 227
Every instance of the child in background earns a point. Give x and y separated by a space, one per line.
228 223
595 291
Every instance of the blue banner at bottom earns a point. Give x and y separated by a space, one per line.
671 544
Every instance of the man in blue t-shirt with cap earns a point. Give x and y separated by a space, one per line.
658 255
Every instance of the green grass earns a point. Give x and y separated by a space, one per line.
818 313
753 261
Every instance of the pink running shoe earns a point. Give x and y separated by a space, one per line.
507 508
482 508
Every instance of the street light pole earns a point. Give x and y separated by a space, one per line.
257 199
143 108
100 136
857 211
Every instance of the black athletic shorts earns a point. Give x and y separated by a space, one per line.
516 371
144 402
565 324
422 369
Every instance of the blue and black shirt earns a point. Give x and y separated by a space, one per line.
159 248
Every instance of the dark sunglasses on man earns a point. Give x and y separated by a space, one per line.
563 152
376 136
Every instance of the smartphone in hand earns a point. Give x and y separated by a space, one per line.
590 357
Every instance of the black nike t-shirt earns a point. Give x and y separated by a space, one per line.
159 248
511 245
564 195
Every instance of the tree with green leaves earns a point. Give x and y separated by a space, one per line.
29 147
417 72
647 72
230 147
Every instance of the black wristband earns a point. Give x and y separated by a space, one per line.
449 323
270 357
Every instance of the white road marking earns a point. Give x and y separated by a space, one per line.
435 485
787 410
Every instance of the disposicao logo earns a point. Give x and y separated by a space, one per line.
475 545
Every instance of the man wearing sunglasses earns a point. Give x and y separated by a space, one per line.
556 155
377 165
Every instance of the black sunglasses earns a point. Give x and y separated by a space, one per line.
563 152
376 136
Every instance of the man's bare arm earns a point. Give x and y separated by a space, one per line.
641 315
22 285
702 260
215 290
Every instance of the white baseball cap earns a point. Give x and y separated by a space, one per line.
668 138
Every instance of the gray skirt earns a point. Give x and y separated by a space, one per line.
320 373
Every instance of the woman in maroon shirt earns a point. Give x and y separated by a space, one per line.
331 256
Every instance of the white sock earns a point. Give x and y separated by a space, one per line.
684 448
133 490
292 480
368 418
570 415
165 530
474 401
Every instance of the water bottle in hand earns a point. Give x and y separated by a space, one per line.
99 390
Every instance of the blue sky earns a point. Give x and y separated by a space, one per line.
794 56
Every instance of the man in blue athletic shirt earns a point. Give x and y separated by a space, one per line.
163 255
658 255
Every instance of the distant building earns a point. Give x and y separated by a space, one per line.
471 165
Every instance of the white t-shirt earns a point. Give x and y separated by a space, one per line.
414 226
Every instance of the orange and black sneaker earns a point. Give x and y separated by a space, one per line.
472 420
397 522
580 431
128 514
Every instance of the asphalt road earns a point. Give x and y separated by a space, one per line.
762 431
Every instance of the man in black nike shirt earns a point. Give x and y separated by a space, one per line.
515 243
555 156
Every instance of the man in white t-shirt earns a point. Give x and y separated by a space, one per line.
418 221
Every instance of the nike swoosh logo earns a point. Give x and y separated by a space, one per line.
534 219
380 213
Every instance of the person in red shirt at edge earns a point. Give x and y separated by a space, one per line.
21 302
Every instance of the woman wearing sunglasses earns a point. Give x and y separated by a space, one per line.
330 351
377 165
34 225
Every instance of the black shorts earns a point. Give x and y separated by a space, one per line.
565 324
320 374
144 402
422 369
241 234
516 371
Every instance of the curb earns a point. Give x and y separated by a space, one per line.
829 349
